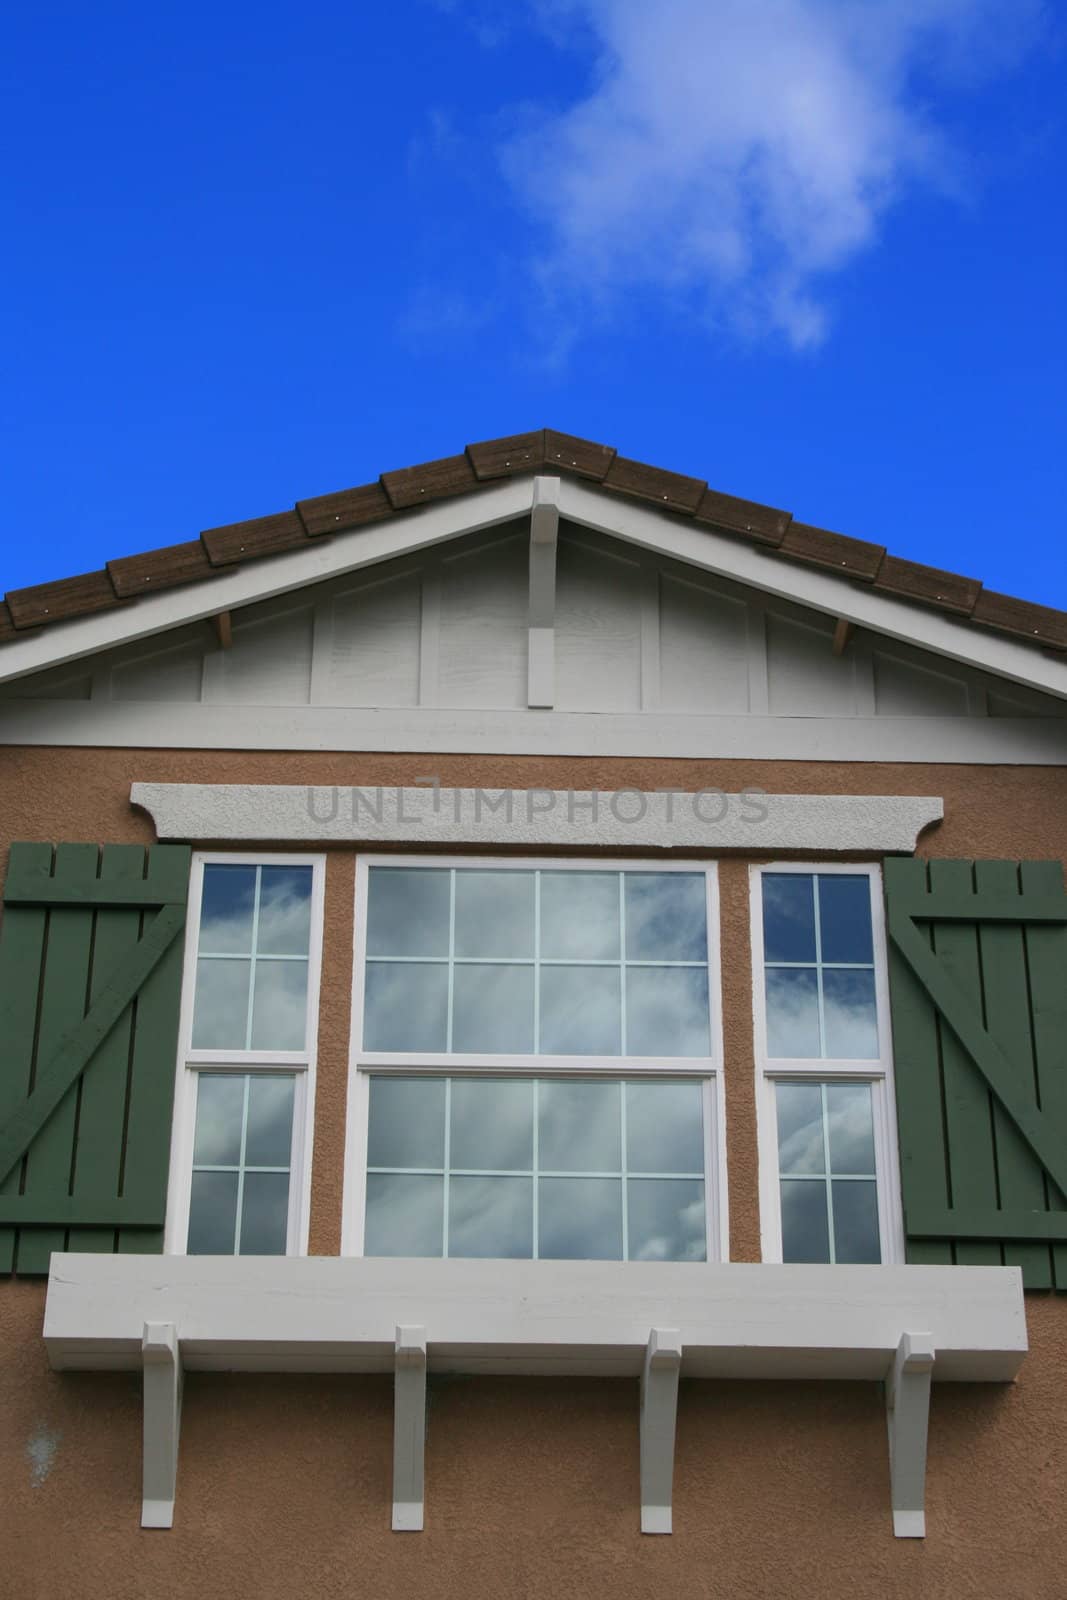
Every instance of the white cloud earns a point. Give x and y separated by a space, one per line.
731 154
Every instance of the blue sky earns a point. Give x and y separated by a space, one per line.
811 250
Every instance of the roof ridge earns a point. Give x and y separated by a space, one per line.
121 581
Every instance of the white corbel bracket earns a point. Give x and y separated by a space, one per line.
162 1361
544 533
907 1394
409 1429
659 1411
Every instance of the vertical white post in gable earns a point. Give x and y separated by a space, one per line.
659 1409
162 1360
430 633
907 1394
650 636
409 1429
544 536
759 694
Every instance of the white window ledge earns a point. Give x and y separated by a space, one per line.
902 1324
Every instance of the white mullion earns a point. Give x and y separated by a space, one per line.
817 907
623 1169
536 1173
448 1162
622 961
252 959
829 1174
537 963
451 955
241 1170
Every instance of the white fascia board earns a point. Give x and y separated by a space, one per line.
542 818
264 578
318 1314
803 585
427 730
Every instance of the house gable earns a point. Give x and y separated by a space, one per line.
430 650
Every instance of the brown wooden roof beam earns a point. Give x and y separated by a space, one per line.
261 536
351 508
79 596
159 569
1024 619
849 558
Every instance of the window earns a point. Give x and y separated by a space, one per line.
534 1073
828 1165
240 1173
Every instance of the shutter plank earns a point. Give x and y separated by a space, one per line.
968 1108
153 1067
1046 954
63 993
1007 1016
22 935
917 1076
98 1157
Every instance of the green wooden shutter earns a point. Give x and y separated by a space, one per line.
978 977
90 992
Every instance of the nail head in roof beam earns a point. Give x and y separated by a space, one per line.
409 1429
224 630
544 536
907 1395
659 1410
162 1362
844 633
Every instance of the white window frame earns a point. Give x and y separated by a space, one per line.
364 1064
878 1072
301 1063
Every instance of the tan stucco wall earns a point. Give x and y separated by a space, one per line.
531 1486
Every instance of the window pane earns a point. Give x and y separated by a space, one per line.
226 908
494 914
279 1011
666 916
580 1219
212 1214
493 1009
408 911
580 916
269 1140
793 1012
664 1127
405 1215
805 1234
220 1010
490 1217
851 1015
492 1124
580 1128
666 1219
851 1127
845 918
788 917
407 1122
581 1011
800 1130
284 911
405 1006
856 1222
667 1011
220 1099
265 1214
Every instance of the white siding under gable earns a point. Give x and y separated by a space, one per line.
651 655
